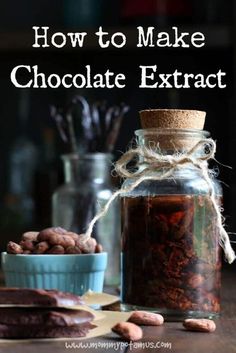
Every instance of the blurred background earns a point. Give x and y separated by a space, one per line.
30 165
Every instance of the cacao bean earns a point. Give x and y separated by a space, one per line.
128 331
201 325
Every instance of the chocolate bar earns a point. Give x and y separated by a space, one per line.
39 313
38 297
45 317
24 331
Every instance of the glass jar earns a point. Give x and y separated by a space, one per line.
87 188
171 259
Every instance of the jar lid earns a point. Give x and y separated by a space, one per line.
172 119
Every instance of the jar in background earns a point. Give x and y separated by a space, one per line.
171 258
87 188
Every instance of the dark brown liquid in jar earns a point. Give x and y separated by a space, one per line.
170 253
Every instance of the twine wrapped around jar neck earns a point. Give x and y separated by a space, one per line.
166 166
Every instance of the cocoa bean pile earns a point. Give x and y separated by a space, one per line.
53 241
171 253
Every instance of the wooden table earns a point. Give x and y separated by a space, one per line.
172 337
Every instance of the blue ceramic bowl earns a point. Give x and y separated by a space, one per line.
69 273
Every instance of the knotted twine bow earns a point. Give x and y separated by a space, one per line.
166 165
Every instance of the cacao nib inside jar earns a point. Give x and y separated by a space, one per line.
171 256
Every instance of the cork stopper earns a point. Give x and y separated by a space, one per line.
172 119
182 128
